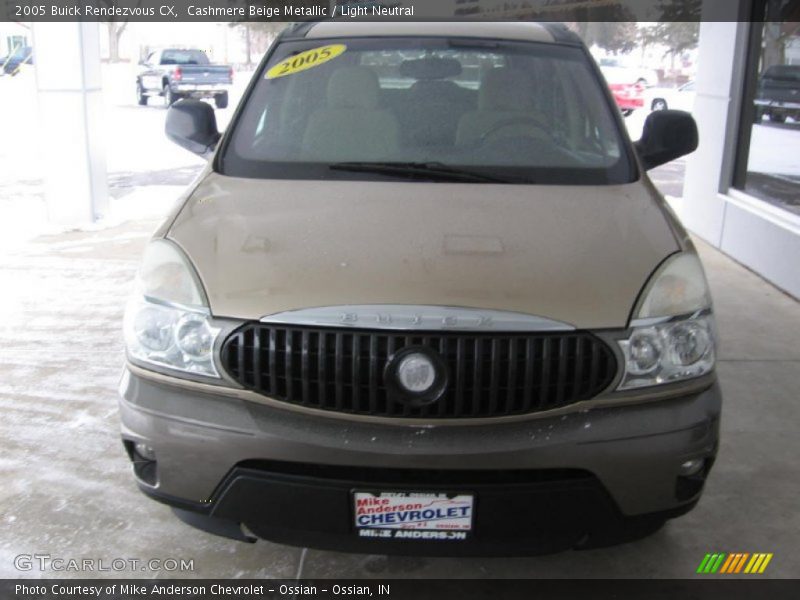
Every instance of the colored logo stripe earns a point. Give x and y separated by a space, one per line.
735 562
711 563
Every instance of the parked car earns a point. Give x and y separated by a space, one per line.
370 327
13 62
778 95
628 92
644 76
182 73
681 98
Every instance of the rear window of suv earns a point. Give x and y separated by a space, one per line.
512 111
183 57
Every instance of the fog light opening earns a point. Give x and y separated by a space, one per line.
692 467
145 451
143 458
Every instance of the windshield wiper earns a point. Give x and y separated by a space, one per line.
424 170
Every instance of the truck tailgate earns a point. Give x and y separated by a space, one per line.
206 74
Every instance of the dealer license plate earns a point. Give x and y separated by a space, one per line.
413 515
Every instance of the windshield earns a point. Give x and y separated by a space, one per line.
183 57
511 112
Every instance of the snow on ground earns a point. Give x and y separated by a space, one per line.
139 157
61 355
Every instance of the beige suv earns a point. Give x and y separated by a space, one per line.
423 299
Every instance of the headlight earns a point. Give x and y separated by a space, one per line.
668 352
678 287
673 332
167 322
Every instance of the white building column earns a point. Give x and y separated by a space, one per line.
70 116
721 58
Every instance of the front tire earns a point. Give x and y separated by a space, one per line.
141 97
221 100
659 104
170 97
777 117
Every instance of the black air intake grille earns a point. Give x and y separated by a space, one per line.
489 374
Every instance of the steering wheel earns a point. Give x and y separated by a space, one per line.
516 121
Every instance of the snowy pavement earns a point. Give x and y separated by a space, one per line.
137 151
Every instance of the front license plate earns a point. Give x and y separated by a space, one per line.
413 515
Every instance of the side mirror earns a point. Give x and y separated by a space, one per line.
667 135
192 124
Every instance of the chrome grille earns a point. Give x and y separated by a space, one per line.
489 374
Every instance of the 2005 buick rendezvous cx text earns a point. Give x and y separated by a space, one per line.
423 299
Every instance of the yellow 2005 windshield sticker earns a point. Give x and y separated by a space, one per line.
306 60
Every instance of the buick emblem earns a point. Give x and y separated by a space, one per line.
416 375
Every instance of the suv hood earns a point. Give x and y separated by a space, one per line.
575 254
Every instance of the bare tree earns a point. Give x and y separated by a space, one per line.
258 36
676 36
617 37
115 28
779 28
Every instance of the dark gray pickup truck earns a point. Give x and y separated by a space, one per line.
177 73
778 93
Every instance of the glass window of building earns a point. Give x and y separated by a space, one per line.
768 165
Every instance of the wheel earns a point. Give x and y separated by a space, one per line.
141 97
170 97
759 114
659 104
221 100
777 117
627 112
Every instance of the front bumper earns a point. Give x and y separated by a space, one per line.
288 476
